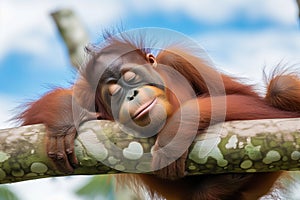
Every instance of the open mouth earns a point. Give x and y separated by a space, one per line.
144 109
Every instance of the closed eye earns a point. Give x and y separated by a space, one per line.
114 89
129 76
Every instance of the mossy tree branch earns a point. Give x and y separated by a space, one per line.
102 148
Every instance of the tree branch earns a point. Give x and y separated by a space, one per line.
102 148
73 33
298 3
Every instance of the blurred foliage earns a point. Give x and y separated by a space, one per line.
103 187
97 187
7 194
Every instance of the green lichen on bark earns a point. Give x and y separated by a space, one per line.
249 146
103 148
22 154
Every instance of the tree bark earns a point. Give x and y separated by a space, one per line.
103 148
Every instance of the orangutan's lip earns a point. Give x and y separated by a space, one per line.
144 109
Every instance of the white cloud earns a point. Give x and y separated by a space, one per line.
7 106
246 54
220 11
29 28
24 28
283 11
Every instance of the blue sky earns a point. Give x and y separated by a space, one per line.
33 55
241 37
